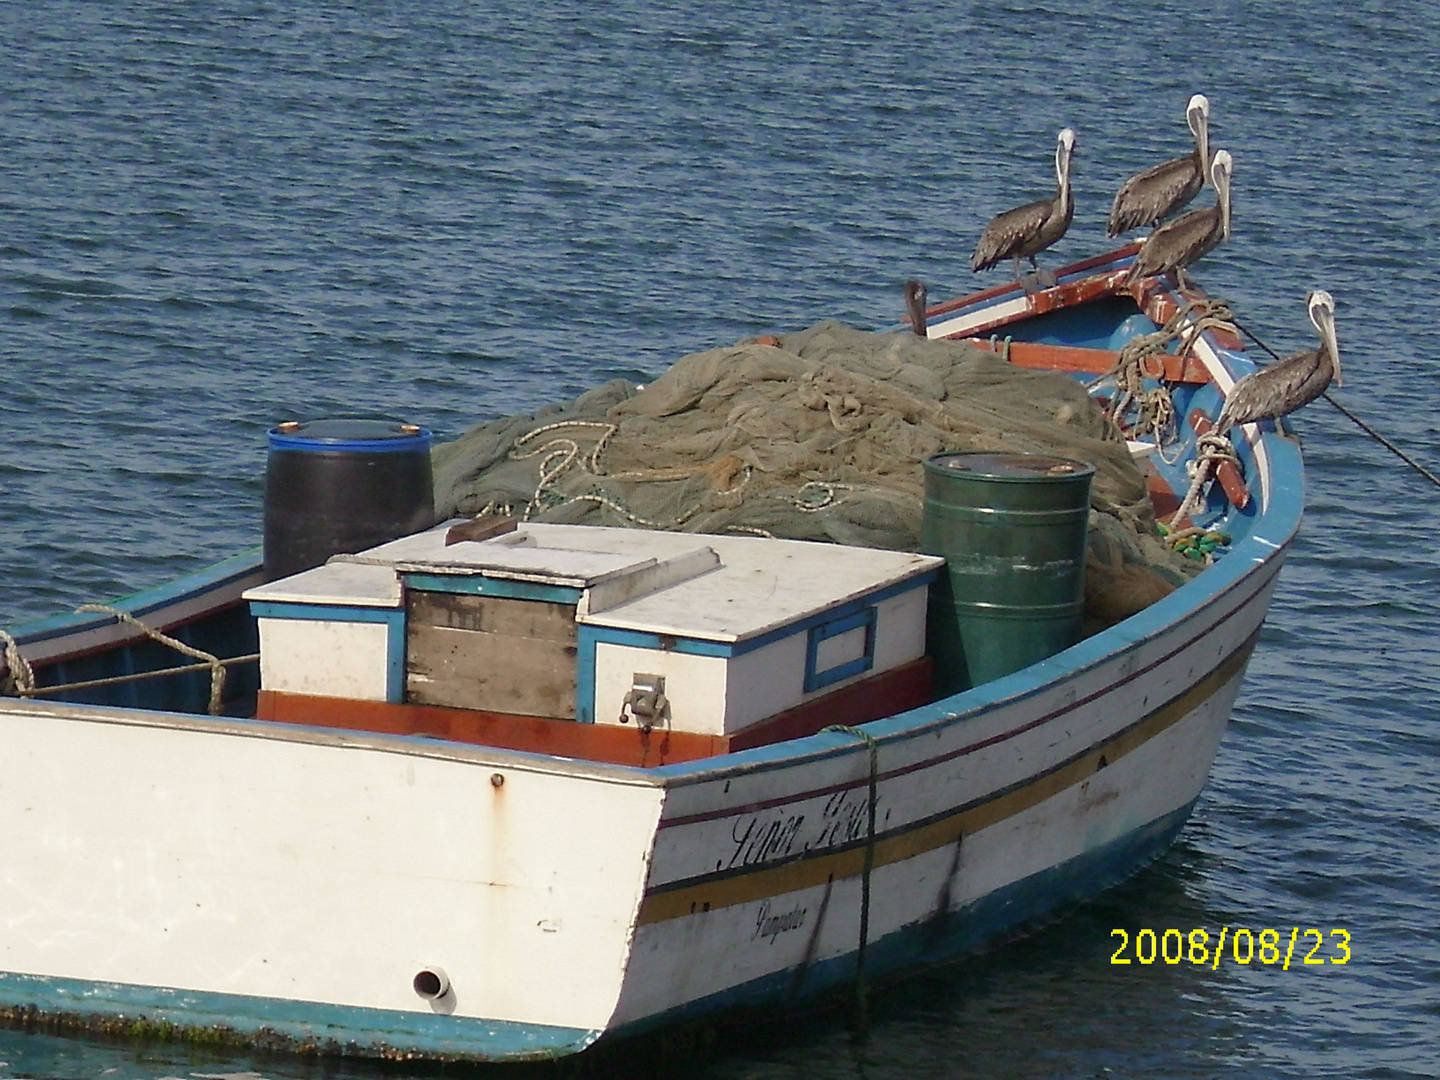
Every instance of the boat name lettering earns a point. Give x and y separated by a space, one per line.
757 839
771 926
846 819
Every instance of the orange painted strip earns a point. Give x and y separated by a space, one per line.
536 734
889 692
1073 358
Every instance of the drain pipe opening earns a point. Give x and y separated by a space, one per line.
431 983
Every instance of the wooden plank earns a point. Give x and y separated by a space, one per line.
480 529
532 619
1091 286
1155 297
486 652
477 670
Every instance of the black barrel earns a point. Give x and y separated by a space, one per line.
340 486
1012 528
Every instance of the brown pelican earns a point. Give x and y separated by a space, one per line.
915 295
1028 230
1159 191
1285 385
1184 241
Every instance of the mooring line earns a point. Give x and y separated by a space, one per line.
862 992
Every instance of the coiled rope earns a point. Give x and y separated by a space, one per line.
21 675
1154 408
1210 451
560 455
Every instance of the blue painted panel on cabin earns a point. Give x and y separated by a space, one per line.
815 678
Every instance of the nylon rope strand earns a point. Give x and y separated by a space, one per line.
862 992
21 675
217 668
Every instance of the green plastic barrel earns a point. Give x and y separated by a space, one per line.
1012 529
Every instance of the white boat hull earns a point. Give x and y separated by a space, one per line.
266 878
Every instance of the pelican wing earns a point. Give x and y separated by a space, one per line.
1278 390
1179 243
1155 193
1009 233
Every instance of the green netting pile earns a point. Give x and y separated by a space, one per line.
818 438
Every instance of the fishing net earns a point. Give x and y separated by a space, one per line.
817 438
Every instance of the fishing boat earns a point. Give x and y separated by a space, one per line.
356 842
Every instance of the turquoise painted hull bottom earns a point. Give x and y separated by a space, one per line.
72 1006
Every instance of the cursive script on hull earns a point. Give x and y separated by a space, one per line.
760 838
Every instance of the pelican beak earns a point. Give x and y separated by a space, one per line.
1324 318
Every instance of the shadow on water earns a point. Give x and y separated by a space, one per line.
1049 1004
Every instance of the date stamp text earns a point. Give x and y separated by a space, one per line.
1241 945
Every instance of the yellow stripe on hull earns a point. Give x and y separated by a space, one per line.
817 870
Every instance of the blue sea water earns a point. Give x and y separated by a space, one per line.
219 214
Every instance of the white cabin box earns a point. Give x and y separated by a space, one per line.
703 634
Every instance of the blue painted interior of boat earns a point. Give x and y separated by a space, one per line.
1099 324
226 632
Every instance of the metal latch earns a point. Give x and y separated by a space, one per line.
646 702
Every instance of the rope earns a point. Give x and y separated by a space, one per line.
1210 450
1197 543
827 497
21 675
561 455
117 680
1154 408
216 665
862 993
1215 314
